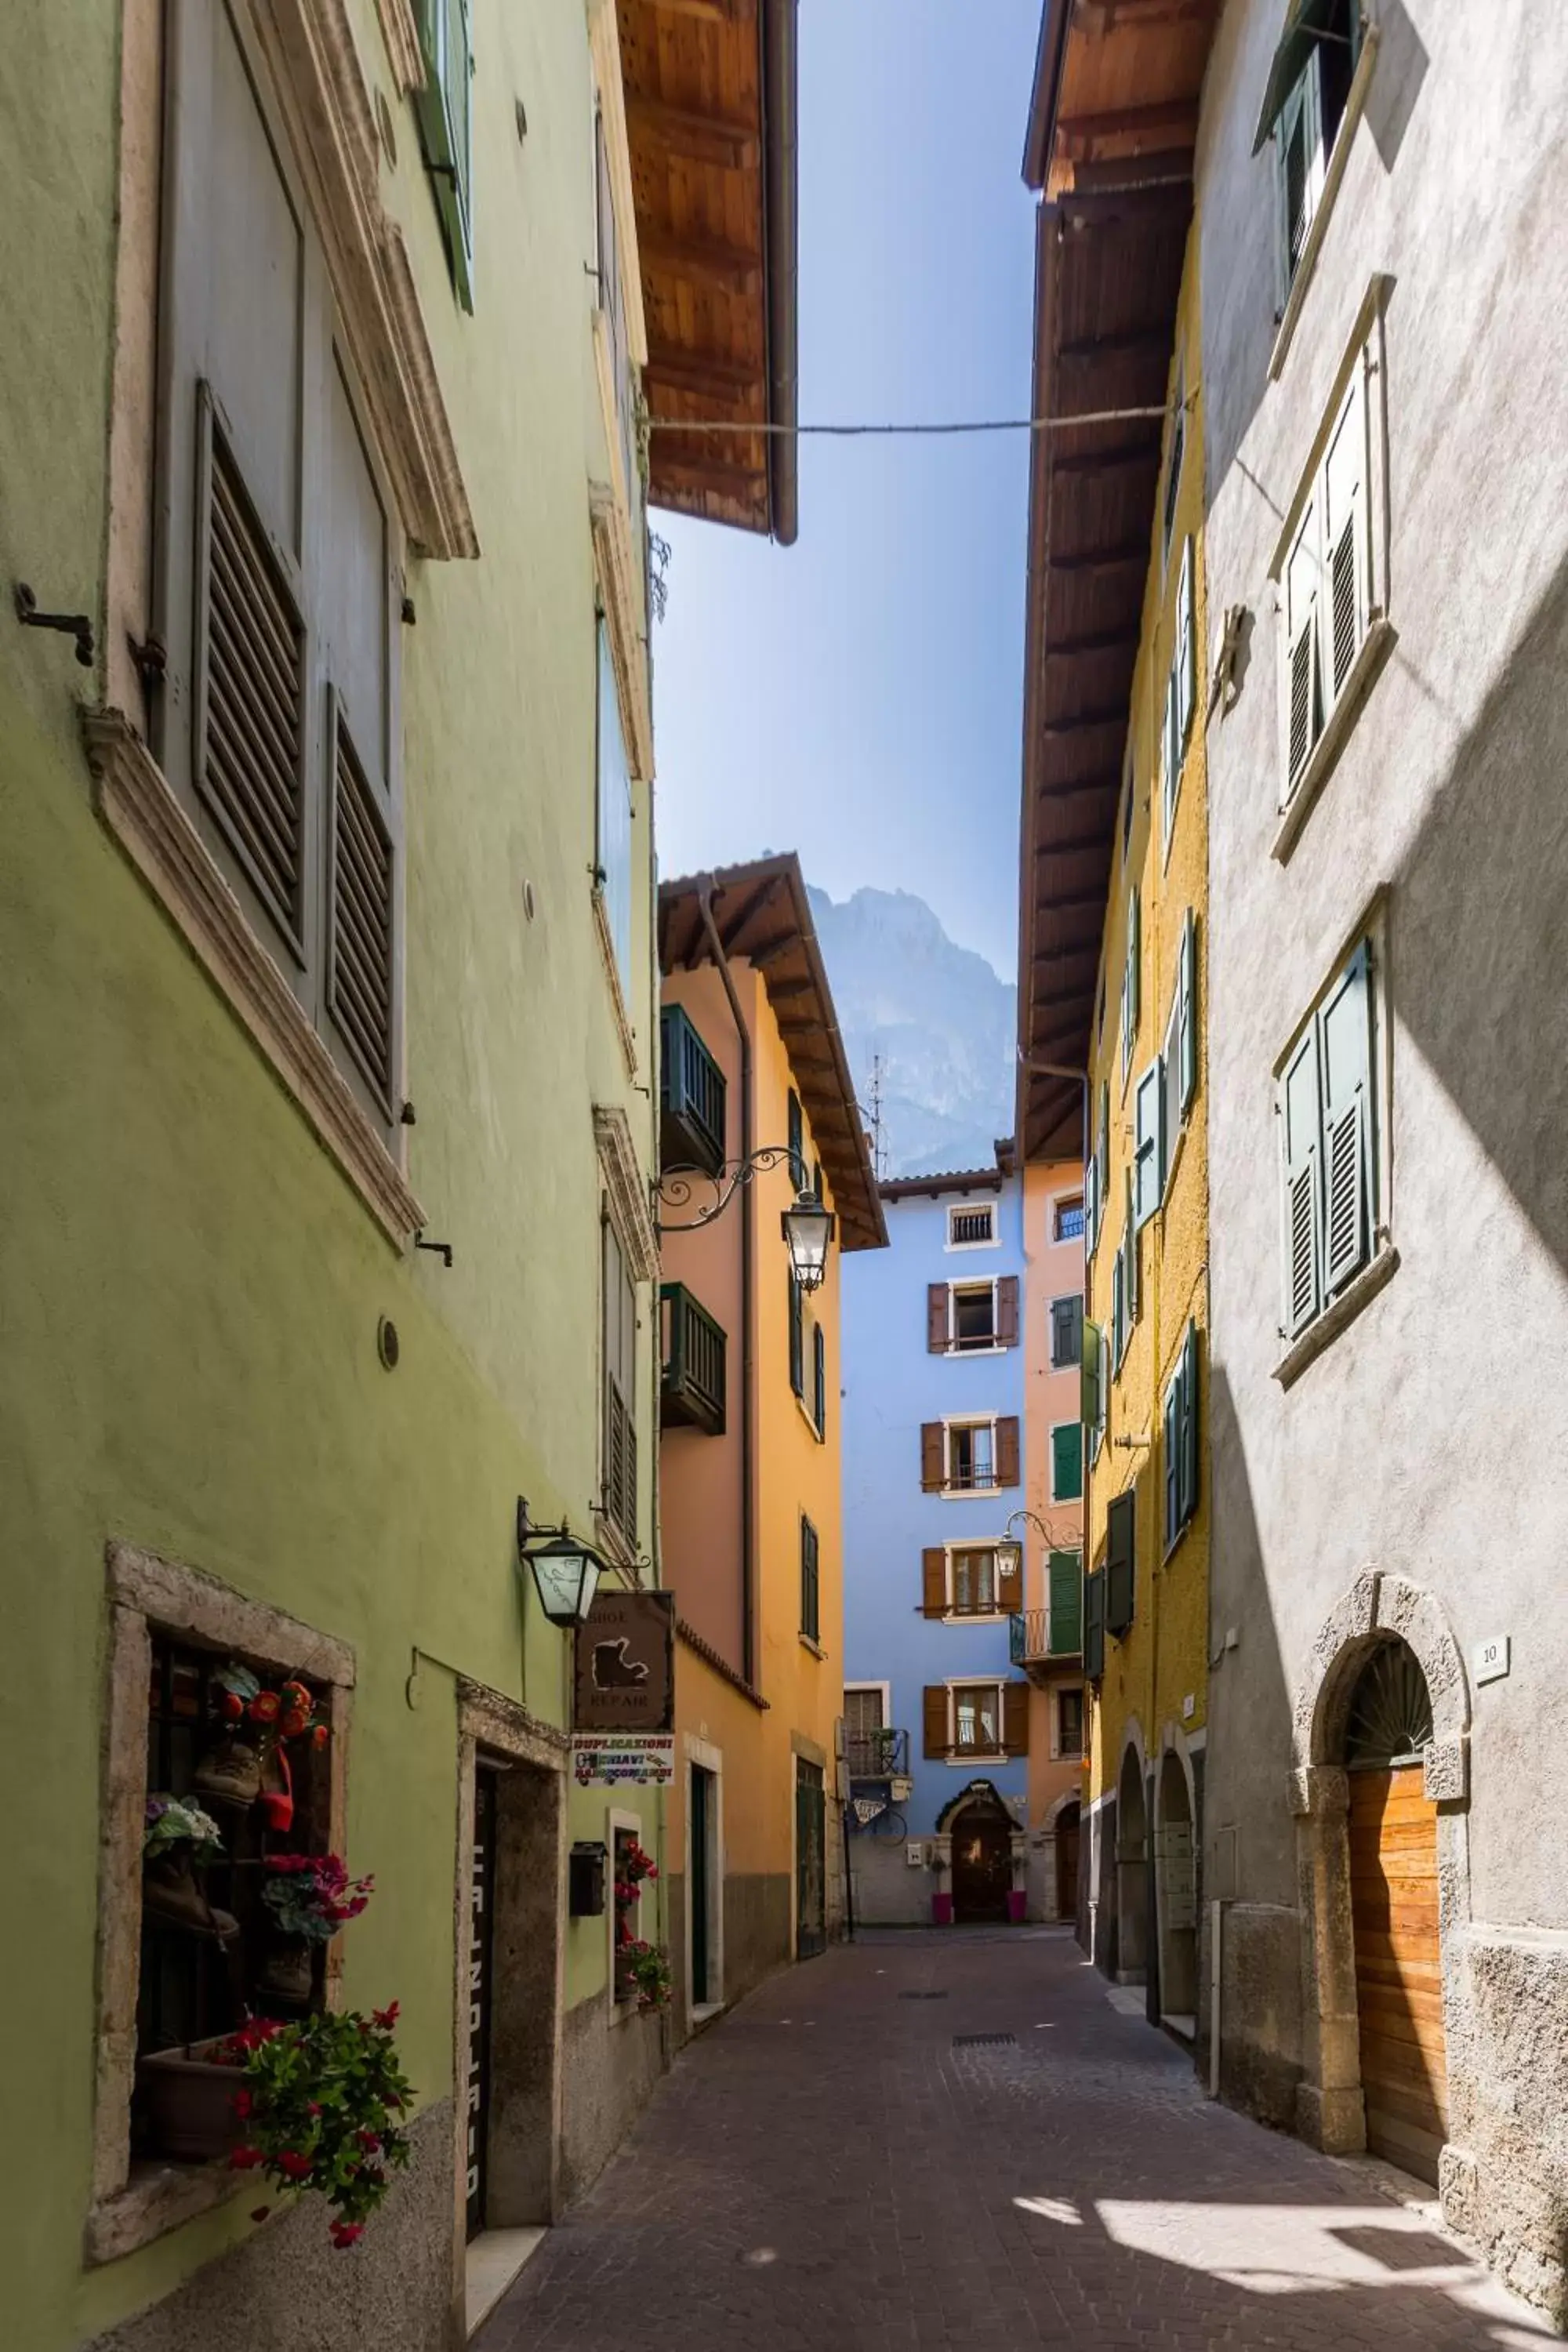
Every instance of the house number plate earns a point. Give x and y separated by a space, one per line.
1490 1661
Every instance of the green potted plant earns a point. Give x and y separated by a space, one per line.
309 1896
321 2102
647 1966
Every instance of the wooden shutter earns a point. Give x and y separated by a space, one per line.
936 1317
1188 1000
797 1142
1008 1310
1301 1118
1299 170
820 1377
1064 1578
1171 1087
1091 1377
360 902
1009 1581
1186 650
1171 1451
933 1467
1015 1718
1189 1484
1120 1563
797 1338
1303 670
1067 1462
1007 1451
1344 541
1130 1246
445 107
1094 1625
1090 1203
938 1740
934 1580
1132 978
1149 1154
1344 1027
1119 1323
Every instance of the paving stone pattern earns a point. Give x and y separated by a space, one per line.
836 2164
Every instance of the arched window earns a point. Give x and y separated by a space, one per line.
1390 1719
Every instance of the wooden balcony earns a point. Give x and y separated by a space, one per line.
693 1349
691 1098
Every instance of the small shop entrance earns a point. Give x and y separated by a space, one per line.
481 1962
982 1862
1066 1862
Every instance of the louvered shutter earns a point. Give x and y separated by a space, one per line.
797 1142
1015 1718
932 1466
934 1580
1129 1248
1009 1581
1345 1028
1171 1450
1344 551
1067 1462
445 107
938 1740
1189 1495
1187 999
820 1377
1091 1377
1171 1085
1119 1324
1120 1563
1301 1118
1299 170
1090 1203
1134 968
1094 1625
936 1317
1064 1587
1149 1152
1008 1310
1170 755
797 1338
1007 1451
1186 650
1102 1188
1304 666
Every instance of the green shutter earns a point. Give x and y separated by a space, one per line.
1130 1247
1190 1424
1186 650
1094 1625
1187 1023
796 1143
1171 1447
796 1339
445 108
1121 1593
1091 1377
1064 1571
1067 1462
819 1373
1148 1162
1344 1032
1300 1119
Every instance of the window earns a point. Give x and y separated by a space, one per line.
809 1597
819 1378
1326 585
1064 1592
967 1316
1329 1142
276 604
445 107
613 847
1180 1078
1069 1723
1173 465
1125 1283
1093 1386
1067 1332
974 1583
977 1719
1130 984
970 1228
1066 1221
974 1315
619 1468
1149 1145
796 1336
797 1176
1304 105
872 1749
626 1908
1129 808
1120 1561
1067 1462
1180 1438
1097 1174
864 1706
969 1457
1181 693
1094 1624
970 1454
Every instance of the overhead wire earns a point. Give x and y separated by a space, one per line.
923 429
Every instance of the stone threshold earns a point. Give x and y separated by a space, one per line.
493 2260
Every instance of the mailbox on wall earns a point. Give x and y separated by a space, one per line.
585 1881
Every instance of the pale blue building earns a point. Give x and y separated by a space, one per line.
936 1718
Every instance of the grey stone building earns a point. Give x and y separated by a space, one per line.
1381 199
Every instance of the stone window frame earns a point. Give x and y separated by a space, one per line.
129 2206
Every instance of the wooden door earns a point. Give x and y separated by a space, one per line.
1067 1863
700 1887
1399 1989
810 1861
982 1867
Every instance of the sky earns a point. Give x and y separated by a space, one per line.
858 697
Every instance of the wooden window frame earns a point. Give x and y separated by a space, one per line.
956 1209
130 2205
967 1757
1064 1205
1062 1750
962 1422
989 1347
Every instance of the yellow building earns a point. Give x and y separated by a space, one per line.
1112 952
750 1458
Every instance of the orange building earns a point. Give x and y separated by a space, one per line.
750 1454
1048 1637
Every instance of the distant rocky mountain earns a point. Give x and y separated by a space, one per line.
945 1027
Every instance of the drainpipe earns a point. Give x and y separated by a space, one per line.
748 1313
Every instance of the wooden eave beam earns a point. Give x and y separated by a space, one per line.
702 138
696 473
1146 343
730 269
1109 461
698 371
1103 558
728 13
1078 844
1078 902
1111 641
1172 120
1087 723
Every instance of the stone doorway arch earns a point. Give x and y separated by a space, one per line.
1176 1894
1131 1870
1378 1609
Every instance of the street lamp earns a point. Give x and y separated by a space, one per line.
808 1229
566 1572
808 1224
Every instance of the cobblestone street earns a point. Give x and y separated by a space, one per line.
958 2140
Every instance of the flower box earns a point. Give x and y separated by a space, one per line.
188 2102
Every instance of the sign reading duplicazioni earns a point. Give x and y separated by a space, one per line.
631 1760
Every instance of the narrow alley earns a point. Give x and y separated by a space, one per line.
928 2140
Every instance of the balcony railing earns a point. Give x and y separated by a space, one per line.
877 1755
1037 1634
692 1389
692 1092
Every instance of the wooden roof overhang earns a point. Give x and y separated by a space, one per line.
762 915
711 115
1112 122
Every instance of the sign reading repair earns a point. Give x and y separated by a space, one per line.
626 1664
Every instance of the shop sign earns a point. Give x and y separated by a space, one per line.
625 1678
602 1759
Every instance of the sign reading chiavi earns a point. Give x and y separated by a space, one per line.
625 1665
605 1760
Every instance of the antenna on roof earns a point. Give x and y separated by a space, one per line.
874 1113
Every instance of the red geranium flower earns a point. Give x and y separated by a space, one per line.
344 2233
265 1706
246 2159
294 2166
242 2105
385 2018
